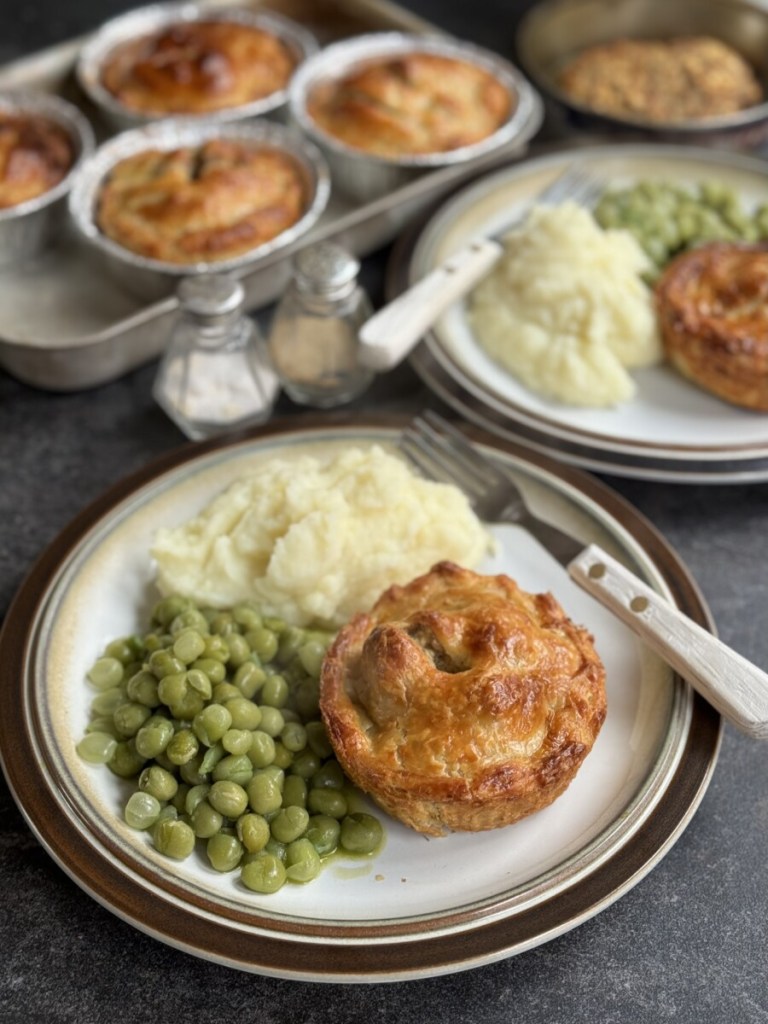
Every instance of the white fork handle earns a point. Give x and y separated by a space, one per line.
389 335
733 685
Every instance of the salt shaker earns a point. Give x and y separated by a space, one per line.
313 339
212 377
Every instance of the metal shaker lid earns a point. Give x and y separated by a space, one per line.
325 269
210 297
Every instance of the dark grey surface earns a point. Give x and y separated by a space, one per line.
688 943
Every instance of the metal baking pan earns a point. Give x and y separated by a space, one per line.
65 325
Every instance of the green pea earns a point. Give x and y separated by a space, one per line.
126 761
302 862
216 649
142 687
188 645
361 833
215 670
323 832
317 739
283 757
164 663
127 649
265 873
199 682
154 736
253 832
167 608
97 747
108 701
190 771
174 838
190 618
237 741
173 688
291 639
211 758
289 823
327 801
244 713
248 678
311 655
272 721
294 792
129 718
223 692
179 799
228 798
206 820
264 793
263 641
306 764
195 795
158 782
274 693
142 810
235 768
222 624
239 651
330 776
211 723
262 749
182 747
246 616
106 673
224 852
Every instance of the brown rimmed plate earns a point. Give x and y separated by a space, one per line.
671 430
419 907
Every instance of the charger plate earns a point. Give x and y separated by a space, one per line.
671 430
420 907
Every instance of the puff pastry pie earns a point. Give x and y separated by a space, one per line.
713 312
201 203
415 104
35 155
461 702
197 67
662 80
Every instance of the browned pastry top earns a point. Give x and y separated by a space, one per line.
35 155
197 67
662 80
713 313
199 204
461 702
415 104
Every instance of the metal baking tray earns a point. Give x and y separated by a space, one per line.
65 325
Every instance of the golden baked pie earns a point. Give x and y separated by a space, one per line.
36 154
413 104
662 80
201 203
461 702
197 67
712 306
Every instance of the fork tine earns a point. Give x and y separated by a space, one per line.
453 441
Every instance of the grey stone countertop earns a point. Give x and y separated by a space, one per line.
688 943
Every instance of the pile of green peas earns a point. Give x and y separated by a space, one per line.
214 714
667 219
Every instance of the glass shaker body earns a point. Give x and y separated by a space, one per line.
313 340
212 378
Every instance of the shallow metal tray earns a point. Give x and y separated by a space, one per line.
65 325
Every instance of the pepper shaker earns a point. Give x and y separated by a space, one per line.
212 377
313 339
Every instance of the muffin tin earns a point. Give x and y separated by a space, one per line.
84 328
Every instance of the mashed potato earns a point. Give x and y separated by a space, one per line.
314 540
566 310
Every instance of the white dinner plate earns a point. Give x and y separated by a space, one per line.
419 907
671 428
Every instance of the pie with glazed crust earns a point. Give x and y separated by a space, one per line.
460 702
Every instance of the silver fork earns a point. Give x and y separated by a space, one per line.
389 335
733 685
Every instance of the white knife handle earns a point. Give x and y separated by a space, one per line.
734 686
389 335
